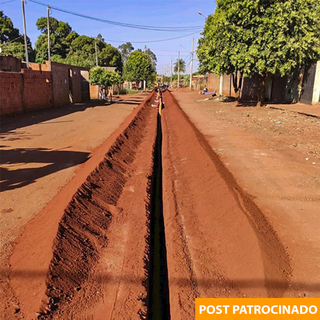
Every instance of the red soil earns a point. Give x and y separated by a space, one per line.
86 255
219 243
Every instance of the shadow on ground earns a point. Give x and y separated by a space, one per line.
54 161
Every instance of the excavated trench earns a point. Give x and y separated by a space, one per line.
159 222
158 293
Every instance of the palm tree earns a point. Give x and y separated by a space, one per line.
182 66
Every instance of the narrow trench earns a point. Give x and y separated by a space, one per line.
158 288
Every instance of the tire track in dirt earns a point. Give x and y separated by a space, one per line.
219 243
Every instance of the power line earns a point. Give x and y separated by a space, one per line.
160 40
13 39
122 24
167 50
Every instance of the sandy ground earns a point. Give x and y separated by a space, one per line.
41 151
275 157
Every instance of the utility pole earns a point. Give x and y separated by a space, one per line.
144 81
95 47
178 69
25 33
48 28
191 63
171 74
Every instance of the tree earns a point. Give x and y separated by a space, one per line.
11 41
100 76
125 50
61 37
138 67
151 55
263 37
110 57
7 31
68 47
182 66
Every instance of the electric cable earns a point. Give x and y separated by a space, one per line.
121 24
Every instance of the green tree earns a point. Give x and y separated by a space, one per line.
61 37
100 76
125 50
110 56
260 36
182 66
151 55
11 41
138 67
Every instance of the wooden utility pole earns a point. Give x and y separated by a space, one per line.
144 81
25 33
178 69
191 63
171 74
48 29
95 47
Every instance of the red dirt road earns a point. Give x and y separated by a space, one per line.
275 157
160 215
40 153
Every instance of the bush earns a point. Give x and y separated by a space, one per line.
128 91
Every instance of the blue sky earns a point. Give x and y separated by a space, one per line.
143 12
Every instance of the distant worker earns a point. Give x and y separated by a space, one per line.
110 96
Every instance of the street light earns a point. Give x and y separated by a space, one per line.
201 14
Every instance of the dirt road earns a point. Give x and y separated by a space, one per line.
41 151
165 211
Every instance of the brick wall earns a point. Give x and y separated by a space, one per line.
37 90
25 91
94 92
62 75
39 67
213 82
10 63
10 93
60 81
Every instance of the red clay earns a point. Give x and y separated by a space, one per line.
220 244
86 254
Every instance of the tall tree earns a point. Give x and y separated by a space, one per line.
68 47
125 50
138 67
182 66
11 41
260 36
61 37
151 55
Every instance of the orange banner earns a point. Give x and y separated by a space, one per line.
257 308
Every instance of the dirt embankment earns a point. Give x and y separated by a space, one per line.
219 243
66 282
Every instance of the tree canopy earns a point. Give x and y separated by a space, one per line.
138 67
100 76
11 41
125 50
182 66
151 55
69 47
260 36
61 37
